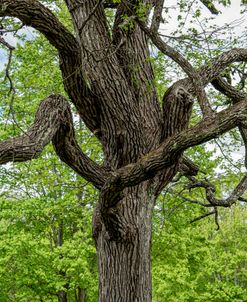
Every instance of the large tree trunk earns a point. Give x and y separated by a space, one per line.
124 249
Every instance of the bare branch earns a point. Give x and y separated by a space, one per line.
7 73
6 44
203 216
216 219
53 121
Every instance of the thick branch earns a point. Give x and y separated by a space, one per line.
169 151
217 65
133 53
34 14
53 121
222 86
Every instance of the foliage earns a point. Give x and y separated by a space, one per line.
196 262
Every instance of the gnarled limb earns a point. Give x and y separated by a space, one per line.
170 150
53 121
210 192
206 74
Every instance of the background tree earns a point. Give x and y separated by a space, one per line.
107 74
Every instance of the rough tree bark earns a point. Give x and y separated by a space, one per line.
110 81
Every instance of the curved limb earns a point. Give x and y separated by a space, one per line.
34 14
222 86
53 121
218 64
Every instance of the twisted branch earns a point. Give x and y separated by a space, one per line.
210 192
53 121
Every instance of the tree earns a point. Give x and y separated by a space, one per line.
108 76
